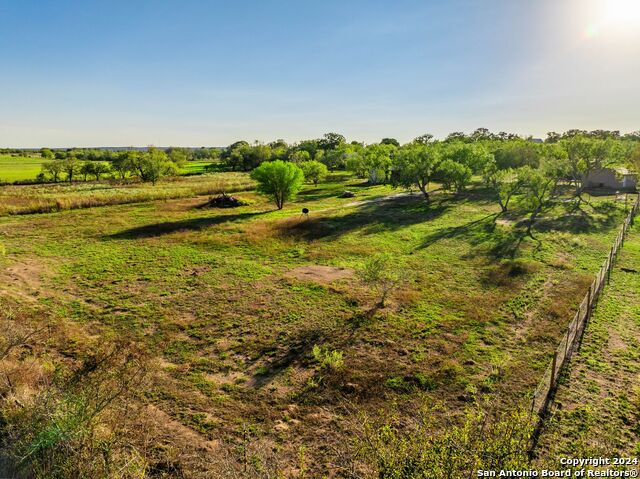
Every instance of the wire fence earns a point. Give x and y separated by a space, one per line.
573 335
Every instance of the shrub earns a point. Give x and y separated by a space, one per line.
327 359
379 274
75 425
482 440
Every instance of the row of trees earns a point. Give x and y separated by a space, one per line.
530 170
509 150
451 161
176 154
149 165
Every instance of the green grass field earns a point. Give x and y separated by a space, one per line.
229 304
18 168
194 167
598 400
48 197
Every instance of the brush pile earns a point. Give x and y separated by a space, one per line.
224 201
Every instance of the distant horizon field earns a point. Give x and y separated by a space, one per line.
23 168
19 168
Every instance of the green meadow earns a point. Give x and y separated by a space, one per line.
596 409
259 334
19 168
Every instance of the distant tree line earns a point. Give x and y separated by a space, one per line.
106 154
148 164
451 162
509 165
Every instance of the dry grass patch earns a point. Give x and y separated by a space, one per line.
320 274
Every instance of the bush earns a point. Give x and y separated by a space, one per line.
483 440
326 359
75 425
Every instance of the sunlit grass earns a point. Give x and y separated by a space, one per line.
19 168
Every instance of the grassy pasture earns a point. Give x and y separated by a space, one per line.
194 167
231 304
598 400
48 197
18 168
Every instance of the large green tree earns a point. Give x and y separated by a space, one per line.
53 169
71 166
539 186
279 180
125 163
472 155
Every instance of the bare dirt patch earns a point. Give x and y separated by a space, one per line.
505 222
22 279
320 274
175 432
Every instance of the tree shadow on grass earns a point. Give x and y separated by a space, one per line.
370 218
192 224
580 222
316 194
485 235
504 244
362 183
296 350
483 226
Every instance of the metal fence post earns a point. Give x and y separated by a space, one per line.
553 370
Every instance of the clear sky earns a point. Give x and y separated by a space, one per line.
187 72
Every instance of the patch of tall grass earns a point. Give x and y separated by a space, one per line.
49 198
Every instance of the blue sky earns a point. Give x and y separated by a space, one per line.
88 73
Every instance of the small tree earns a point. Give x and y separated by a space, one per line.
538 187
356 163
314 171
53 169
70 165
46 153
504 183
379 274
454 175
179 156
86 169
299 156
100 168
474 156
279 180
377 159
153 165
415 165
124 163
